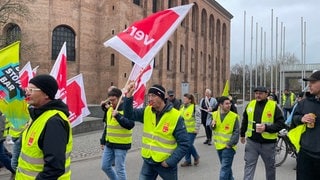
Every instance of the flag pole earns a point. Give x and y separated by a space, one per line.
120 99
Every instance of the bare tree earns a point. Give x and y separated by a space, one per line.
12 7
237 69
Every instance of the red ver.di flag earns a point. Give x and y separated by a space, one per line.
141 41
59 72
141 76
76 100
25 75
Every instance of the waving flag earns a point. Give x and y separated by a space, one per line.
141 76
12 99
59 72
226 89
141 41
76 100
25 74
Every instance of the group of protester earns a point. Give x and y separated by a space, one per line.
168 133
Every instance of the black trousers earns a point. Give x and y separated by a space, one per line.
308 168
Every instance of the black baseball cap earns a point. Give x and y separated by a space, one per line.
314 77
260 89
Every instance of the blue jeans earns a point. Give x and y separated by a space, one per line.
5 159
151 172
15 153
192 150
285 112
118 156
226 158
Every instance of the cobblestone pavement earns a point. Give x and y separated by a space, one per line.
87 145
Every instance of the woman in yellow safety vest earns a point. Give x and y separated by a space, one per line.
192 119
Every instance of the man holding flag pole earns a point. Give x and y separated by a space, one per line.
140 42
165 140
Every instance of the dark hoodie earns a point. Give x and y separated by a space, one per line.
53 139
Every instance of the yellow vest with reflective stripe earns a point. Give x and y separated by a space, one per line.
6 128
31 162
116 133
189 120
266 118
223 130
158 141
285 99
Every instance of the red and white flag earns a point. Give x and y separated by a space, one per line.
59 72
76 100
141 76
25 75
141 41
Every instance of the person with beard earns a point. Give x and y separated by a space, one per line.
262 120
307 116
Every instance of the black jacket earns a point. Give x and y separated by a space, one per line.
310 138
53 140
277 125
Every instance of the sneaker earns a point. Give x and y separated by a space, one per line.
185 164
206 142
209 143
197 161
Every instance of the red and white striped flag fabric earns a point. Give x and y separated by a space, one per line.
141 76
141 41
25 74
59 72
76 100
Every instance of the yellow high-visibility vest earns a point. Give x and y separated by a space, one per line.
158 141
31 162
223 131
189 120
266 118
115 132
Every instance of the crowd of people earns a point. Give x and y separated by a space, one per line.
170 126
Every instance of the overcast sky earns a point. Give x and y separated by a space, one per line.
289 12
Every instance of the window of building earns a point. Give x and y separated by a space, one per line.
13 33
60 35
112 60
182 59
203 23
169 55
137 2
194 18
154 6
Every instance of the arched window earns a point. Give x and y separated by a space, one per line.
60 35
13 33
137 2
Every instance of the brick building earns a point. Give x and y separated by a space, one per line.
196 57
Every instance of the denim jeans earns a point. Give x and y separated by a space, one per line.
151 172
285 112
192 150
15 153
5 159
118 156
226 158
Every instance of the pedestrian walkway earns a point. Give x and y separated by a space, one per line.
86 160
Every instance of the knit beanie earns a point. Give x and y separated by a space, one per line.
158 90
46 83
